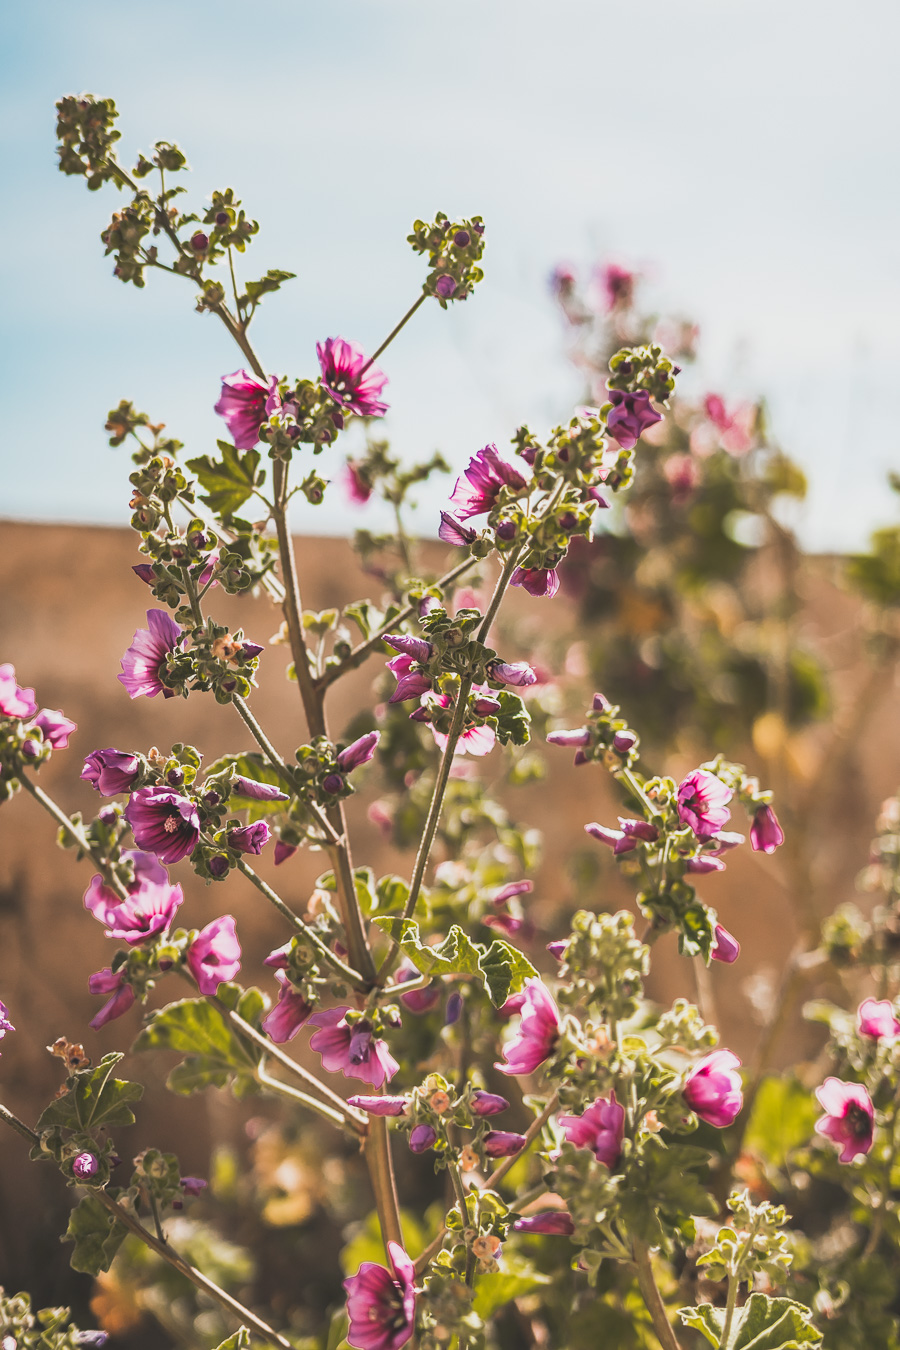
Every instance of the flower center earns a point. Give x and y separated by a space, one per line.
858 1121
171 824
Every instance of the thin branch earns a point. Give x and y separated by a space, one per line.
652 1297
394 331
77 833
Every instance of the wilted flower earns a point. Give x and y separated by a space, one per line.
149 909
701 802
55 727
146 657
289 1014
242 404
347 379
601 1129
15 701
849 1118
727 948
765 832
630 416
351 1049
551 1221
110 982
249 838
537 1033
712 1089
476 492
382 1308
215 954
875 1018
163 823
110 771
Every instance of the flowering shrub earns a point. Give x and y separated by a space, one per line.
600 1209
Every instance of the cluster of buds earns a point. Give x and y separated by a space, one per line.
226 226
605 737
324 770
454 249
157 1180
603 964
124 421
124 238
433 1114
157 483
85 128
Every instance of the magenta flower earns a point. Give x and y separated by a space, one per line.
149 909
110 982
765 832
422 1138
250 838
503 1143
215 954
477 491
618 285
410 683
56 727
289 1014
475 740
875 1018
242 404
15 701
849 1119
418 1001
146 658
257 792
712 1089
537 581
352 1050
727 948
349 379
605 835
110 771
452 531
358 752
163 823
701 803
380 1106
419 649
519 674
630 416
382 1308
283 851
359 489
704 863
538 1031
85 1166
193 1186
601 1129
576 736
488 1103
5 1024
553 1221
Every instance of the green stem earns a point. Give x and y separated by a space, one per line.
394 331
157 1222
652 1297
77 833
733 1285
295 1095
531 1134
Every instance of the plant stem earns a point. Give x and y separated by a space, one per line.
77 833
163 1248
377 1151
733 1285
531 1134
394 331
652 1296
295 1095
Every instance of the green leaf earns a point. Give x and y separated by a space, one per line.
258 770
366 616
239 1341
513 721
783 1117
505 971
456 955
763 1323
255 289
391 894
229 481
495 1290
97 1235
364 885
215 1053
95 1099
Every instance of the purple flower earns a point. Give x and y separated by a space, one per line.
712 1089
538 1031
382 1309
358 752
556 949
623 741
576 736
215 954
352 1050
347 379
243 406
145 572
511 889
283 851
727 948
110 771
359 489
410 683
476 740
630 417
417 1000
488 1103
613 838
477 491
289 1014
149 909
601 1129
519 674
422 1138
250 838
445 286
849 1118
85 1166
725 840
875 1018
380 1106
15 701
704 863
163 823
5 1024
279 959
452 531
618 285
765 832
537 581
554 1221
193 1186
502 1143
146 657
110 982
415 647
701 802
55 726
639 829
257 792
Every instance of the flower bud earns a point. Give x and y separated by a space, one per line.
218 866
333 783
422 1138
503 1143
623 741
199 242
727 948
444 287
488 1103
85 1166
556 1221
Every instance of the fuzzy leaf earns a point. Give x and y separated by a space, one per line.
96 1099
215 1054
97 1236
456 955
228 481
495 1290
763 1323
504 970
391 894
255 289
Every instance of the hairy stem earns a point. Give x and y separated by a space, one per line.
77 833
302 1098
531 1134
652 1296
394 331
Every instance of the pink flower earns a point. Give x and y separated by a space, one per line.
347 378
410 683
735 428
452 531
538 1031
149 909
712 1089
537 581
359 752
215 954
110 771
701 802
630 416
250 838
849 1119
618 285
382 1308
488 1103
15 701
553 1221
359 489
380 1106
575 736
418 649
519 674
727 948
256 791
283 851
601 1129
352 1050
682 475
475 741
146 657
85 1166
163 823
110 982
502 1143
243 406
875 1018
476 492
289 1014
765 833
55 726
5 1024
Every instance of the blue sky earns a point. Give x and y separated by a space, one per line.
746 150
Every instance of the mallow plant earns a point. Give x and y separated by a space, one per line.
580 1132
